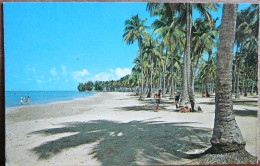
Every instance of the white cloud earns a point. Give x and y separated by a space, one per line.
108 75
80 75
63 70
53 71
103 76
112 74
122 72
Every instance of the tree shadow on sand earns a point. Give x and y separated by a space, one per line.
151 108
246 112
150 105
129 143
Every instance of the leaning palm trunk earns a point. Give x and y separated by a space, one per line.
226 136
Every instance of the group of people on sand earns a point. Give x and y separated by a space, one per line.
25 100
157 97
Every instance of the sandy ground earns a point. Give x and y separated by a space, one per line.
116 129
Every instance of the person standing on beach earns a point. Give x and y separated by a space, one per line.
157 97
21 100
177 98
28 100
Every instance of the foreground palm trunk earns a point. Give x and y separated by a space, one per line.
227 136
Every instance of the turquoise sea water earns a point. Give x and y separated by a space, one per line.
13 98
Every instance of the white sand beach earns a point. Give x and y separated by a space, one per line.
115 128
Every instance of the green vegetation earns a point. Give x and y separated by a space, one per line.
126 83
86 86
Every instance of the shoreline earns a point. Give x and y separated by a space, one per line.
85 131
54 102
42 97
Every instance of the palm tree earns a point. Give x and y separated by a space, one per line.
134 30
136 74
242 34
184 12
204 10
151 56
226 136
170 33
203 41
247 31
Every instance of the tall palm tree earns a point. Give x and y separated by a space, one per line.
183 12
151 56
134 30
226 136
167 30
204 10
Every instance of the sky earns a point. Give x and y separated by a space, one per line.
55 46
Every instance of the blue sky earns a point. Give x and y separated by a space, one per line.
54 46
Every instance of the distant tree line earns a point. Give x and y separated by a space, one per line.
125 83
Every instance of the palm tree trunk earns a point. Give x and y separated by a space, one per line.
164 72
211 87
146 84
191 87
206 87
193 80
235 69
188 63
238 76
175 85
160 83
142 68
247 80
151 81
185 81
252 88
207 79
172 88
226 136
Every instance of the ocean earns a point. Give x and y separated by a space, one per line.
13 98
